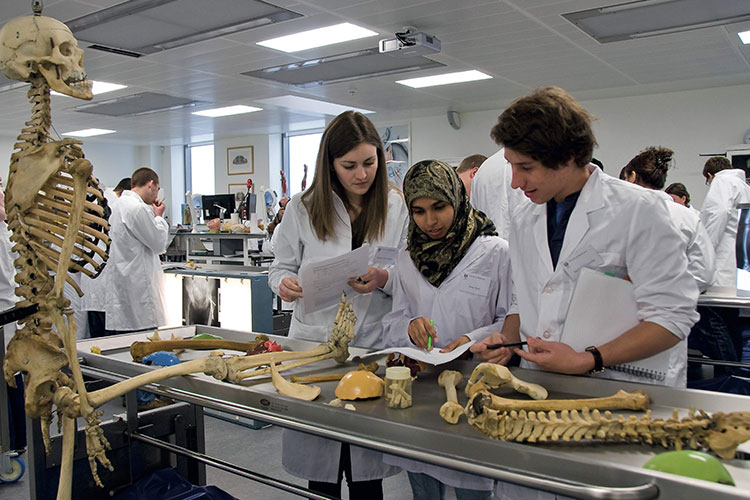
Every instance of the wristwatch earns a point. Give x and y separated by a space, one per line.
598 361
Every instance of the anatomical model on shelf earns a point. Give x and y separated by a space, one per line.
57 216
542 420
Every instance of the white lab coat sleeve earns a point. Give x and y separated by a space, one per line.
288 246
715 212
665 292
701 258
396 322
503 301
152 231
402 213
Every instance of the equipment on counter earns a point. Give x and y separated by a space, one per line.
398 387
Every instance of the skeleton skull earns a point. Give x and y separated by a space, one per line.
359 384
38 45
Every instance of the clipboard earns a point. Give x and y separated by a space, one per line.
602 308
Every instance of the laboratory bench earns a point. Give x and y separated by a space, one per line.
590 470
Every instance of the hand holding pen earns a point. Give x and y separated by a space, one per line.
423 333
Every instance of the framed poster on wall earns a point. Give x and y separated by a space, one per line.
240 160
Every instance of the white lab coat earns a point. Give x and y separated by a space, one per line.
304 455
135 281
456 309
296 243
719 216
615 227
94 290
698 246
8 297
491 192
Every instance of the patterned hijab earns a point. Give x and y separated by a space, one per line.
435 259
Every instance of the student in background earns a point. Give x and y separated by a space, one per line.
349 203
452 284
727 190
649 169
492 193
468 168
679 194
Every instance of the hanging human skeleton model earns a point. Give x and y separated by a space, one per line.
57 216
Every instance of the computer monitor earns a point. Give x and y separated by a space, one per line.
212 202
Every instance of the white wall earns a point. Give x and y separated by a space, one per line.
690 123
261 168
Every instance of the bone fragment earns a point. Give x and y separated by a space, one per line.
286 388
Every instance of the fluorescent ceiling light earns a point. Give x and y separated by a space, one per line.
641 19
311 105
444 79
137 27
227 111
745 37
320 37
89 132
355 65
99 88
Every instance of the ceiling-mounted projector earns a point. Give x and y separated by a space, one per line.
410 44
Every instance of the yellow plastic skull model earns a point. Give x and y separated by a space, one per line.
359 384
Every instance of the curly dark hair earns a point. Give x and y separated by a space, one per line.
650 166
549 126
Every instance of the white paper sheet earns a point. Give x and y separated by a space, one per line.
433 357
323 281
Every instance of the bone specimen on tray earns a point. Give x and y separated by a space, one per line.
372 367
451 411
336 348
636 400
491 376
286 388
140 349
721 433
359 384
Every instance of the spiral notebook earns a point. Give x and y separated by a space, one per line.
602 308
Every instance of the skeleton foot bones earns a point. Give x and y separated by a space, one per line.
539 421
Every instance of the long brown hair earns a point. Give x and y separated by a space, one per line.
347 131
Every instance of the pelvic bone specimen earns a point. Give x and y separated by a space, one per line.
57 216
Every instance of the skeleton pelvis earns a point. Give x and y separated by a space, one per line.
42 363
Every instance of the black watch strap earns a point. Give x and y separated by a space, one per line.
598 361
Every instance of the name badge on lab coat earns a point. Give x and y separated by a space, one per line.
385 256
475 284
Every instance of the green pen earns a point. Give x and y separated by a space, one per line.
429 338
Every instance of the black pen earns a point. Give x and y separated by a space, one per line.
512 344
